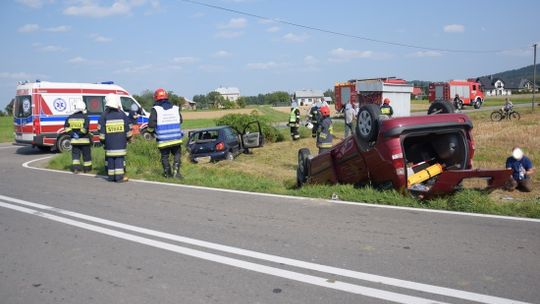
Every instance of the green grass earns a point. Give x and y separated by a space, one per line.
143 163
6 129
272 115
198 123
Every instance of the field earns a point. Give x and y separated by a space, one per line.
272 169
6 129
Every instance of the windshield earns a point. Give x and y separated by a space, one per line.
22 106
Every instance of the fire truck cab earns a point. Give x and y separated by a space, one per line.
41 108
470 93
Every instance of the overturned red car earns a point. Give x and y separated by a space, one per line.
425 156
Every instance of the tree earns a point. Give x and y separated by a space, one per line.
330 93
176 100
201 100
215 100
241 102
146 99
9 107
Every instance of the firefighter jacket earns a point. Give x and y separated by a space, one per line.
294 117
314 115
77 126
387 110
114 131
165 122
325 134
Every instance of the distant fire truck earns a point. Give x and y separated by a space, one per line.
459 92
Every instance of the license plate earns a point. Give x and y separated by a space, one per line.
203 160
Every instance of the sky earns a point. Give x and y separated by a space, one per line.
191 49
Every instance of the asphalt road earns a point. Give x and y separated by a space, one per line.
78 239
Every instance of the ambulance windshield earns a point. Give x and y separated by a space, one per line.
22 106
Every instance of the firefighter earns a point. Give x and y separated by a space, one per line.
114 132
165 122
77 126
294 120
325 131
386 108
314 117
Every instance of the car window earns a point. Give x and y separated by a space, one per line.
229 134
22 106
127 104
204 136
94 104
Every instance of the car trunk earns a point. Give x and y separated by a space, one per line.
428 154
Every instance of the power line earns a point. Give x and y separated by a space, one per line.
327 31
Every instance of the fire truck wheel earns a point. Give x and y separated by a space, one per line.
441 107
302 170
367 126
63 143
477 103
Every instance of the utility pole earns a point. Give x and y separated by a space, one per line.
534 77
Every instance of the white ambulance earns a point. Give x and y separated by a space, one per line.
41 108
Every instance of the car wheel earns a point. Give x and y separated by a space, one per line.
63 143
147 135
441 107
478 104
229 156
302 169
367 126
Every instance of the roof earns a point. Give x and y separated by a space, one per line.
69 85
308 93
488 82
228 91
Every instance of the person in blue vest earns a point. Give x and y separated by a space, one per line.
114 132
165 122
522 171
77 125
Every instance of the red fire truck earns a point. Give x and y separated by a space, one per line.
459 92
345 93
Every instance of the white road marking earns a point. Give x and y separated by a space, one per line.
291 275
357 204
449 292
8 147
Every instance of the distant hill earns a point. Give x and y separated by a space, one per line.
518 74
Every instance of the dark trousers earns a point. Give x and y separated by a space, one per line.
165 152
295 134
115 168
76 151
314 130
524 185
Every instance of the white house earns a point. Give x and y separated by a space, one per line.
308 97
229 93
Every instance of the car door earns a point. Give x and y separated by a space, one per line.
252 136
232 141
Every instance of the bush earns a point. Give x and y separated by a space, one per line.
239 121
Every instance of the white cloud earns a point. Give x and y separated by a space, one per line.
454 28
100 39
343 55
290 37
221 54
77 59
234 23
16 75
310 60
136 69
262 65
273 29
27 28
34 3
228 34
95 10
421 54
48 48
185 60
58 29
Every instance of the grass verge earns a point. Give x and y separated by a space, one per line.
6 129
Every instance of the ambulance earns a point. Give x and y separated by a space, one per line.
41 108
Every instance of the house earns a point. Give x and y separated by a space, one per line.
496 86
418 93
308 97
229 93
189 105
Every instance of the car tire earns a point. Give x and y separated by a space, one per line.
367 123
63 143
229 156
44 148
302 169
441 107
147 135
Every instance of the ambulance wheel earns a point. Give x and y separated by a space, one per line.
441 107
147 135
302 169
367 126
63 143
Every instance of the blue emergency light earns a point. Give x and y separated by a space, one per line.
107 82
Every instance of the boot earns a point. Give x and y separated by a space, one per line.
167 171
176 172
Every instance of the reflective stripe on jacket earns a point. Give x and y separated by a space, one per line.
114 129
294 117
77 125
168 130
325 136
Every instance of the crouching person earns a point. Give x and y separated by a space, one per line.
77 126
165 122
114 133
522 170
